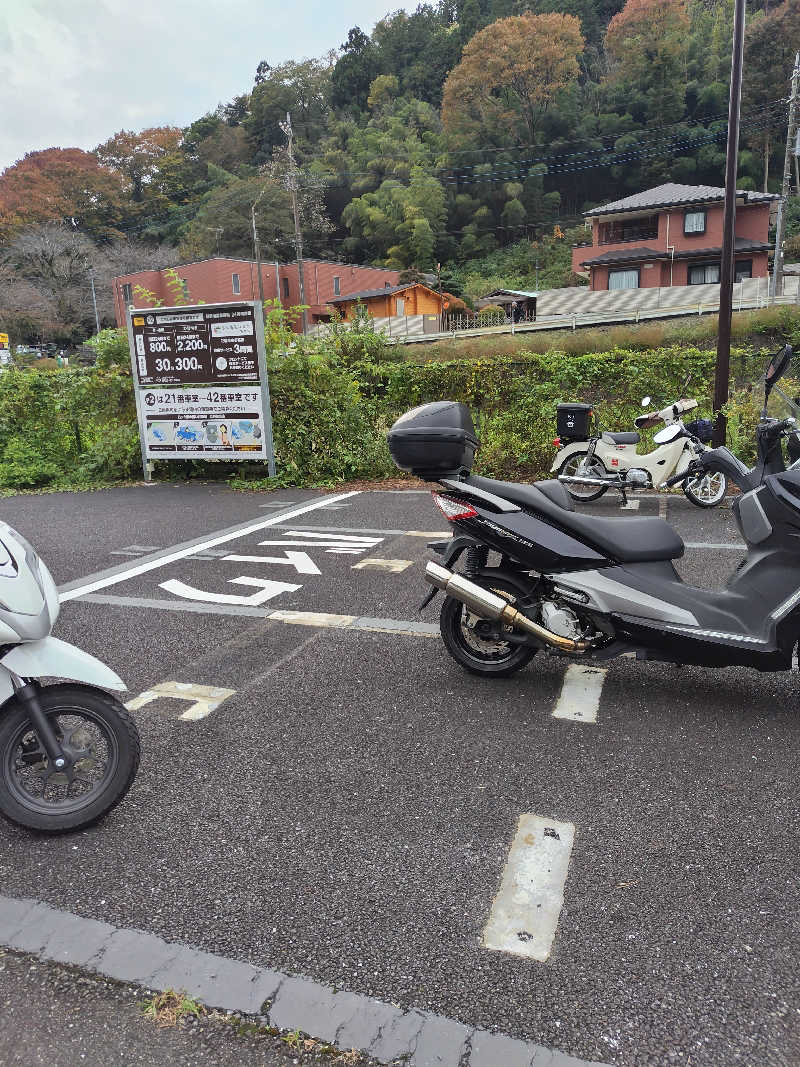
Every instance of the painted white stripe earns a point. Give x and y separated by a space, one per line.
394 566
171 557
301 561
526 909
267 589
206 698
632 505
580 693
327 536
342 546
662 507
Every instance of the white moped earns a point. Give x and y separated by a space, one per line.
589 465
69 751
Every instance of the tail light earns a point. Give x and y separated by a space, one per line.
453 509
556 442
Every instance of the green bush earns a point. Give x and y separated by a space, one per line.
333 401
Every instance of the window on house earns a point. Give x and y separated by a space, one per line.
694 222
235 284
621 230
744 269
185 287
336 287
285 288
387 285
127 293
704 274
401 306
623 279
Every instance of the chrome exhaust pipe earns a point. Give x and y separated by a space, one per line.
491 606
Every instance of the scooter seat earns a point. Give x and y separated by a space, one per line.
627 438
639 540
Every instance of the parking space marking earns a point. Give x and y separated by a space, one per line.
580 693
525 912
125 573
313 618
267 590
303 530
134 550
205 698
662 507
301 561
394 566
304 618
724 546
632 505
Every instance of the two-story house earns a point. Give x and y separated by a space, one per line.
672 235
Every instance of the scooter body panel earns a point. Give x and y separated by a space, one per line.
53 658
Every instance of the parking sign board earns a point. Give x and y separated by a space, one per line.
201 382
216 343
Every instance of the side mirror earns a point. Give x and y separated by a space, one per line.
775 369
646 401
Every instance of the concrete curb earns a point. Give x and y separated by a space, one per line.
347 1020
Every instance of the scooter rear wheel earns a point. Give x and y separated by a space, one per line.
478 645
101 743
594 467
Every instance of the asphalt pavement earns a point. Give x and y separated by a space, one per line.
347 813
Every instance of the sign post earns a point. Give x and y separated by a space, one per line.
5 351
201 385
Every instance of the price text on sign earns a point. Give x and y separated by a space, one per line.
196 347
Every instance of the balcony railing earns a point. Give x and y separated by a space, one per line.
613 233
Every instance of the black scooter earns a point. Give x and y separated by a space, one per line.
596 588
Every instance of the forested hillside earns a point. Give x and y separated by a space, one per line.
471 133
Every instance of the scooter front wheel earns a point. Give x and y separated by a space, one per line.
578 464
479 645
101 746
706 490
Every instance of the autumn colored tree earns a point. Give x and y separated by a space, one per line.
510 74
157 173
647 46
60 185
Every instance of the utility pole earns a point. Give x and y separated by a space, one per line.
257 247
298 237
776 283
726 274
94 301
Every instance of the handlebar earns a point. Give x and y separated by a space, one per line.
775 428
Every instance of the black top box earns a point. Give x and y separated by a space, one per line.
434 440
573 421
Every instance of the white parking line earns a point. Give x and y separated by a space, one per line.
394 566
205 698
525 912
580 693
191 550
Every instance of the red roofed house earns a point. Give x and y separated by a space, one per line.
221 279
672 235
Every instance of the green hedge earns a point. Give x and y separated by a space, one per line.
63 428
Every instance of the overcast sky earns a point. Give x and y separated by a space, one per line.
74 72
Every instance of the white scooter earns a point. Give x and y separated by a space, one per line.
588 465
69 752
